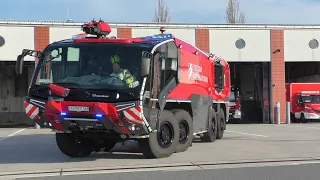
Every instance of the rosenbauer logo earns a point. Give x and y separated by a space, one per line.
194 73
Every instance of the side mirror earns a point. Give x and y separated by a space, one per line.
145 63
19 64
145 66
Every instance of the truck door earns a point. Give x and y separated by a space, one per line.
299 107
163 76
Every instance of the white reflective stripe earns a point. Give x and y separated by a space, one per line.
134 110
35 113
28 108
127 115
135 121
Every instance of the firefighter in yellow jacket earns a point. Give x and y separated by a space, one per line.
120 73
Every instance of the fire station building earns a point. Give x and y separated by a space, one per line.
262 59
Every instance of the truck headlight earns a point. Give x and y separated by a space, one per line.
308 108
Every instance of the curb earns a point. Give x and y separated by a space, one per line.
145 167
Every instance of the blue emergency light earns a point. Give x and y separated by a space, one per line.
78 37
158 37
99 115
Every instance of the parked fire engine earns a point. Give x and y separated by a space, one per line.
95 91
234 104
304 101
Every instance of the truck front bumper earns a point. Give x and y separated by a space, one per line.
235 115
314 116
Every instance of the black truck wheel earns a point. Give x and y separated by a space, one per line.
163 142
221 124
69 146
211 134
186 130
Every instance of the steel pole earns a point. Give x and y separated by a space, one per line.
277 111
288 113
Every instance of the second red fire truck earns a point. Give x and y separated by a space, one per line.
234 104
304 101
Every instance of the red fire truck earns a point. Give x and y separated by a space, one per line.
234 104
95 91
305 101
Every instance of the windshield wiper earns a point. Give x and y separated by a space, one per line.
74 84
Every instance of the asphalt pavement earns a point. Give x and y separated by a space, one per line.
33 151
289 172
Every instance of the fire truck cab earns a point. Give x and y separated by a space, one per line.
305 101
234 104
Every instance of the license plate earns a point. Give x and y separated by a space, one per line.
78 108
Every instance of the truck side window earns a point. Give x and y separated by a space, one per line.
169 63
218 76
156 76
298 100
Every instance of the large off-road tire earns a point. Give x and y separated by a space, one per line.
163 142
68 145
211 134
221 124
185 130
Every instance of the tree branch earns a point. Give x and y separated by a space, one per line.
161 13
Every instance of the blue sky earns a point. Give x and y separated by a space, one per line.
181 11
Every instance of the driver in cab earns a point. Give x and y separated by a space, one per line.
120 73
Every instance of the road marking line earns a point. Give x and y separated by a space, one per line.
248 134
297 126
12 134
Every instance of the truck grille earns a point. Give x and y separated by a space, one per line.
317 111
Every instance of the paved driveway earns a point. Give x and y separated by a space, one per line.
32 149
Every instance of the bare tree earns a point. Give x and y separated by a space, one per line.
161 15
233 15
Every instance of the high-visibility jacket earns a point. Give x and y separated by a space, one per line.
126 76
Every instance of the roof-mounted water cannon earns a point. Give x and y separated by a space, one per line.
100 28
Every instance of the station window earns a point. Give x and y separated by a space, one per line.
240 43
2 41
313 44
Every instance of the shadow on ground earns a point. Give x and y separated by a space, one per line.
42 148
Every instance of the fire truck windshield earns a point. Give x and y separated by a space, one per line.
311 99
92 65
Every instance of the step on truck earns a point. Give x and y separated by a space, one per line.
304 101
95 91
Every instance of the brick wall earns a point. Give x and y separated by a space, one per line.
124 32
202 39
278 72
41 36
